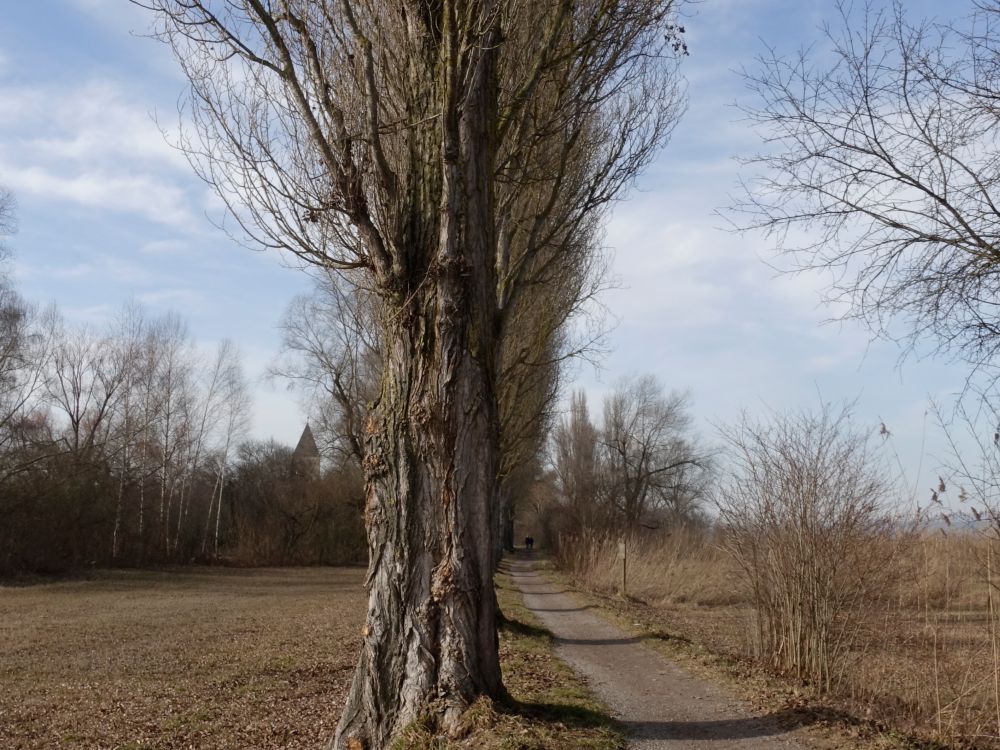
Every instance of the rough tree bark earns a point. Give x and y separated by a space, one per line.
432 454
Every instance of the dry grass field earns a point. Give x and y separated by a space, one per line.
178 659
218 658
924 664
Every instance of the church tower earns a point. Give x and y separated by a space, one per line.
305 458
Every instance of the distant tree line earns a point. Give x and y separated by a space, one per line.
127 445
640 468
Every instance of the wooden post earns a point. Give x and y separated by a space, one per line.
623 551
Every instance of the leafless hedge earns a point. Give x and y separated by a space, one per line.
806 514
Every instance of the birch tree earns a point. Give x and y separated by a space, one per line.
128 346
453 154
172 383
235 414
206 412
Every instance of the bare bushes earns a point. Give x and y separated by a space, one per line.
805 514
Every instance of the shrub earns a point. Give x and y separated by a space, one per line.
805 513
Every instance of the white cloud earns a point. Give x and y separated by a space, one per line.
90 122
173 299
19 104
95 315
90 144
75 271
98 268
164 247
147 195
96 122
115 13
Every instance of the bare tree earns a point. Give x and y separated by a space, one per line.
27 336
332 352
881 164
150 354
89 418
649 459
331 348
27 339
207 404
172 394
552 327
640 468
128 345
84 385
575 461
235 408
8 213
451 153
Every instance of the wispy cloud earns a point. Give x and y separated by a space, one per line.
96 122
100 268
97 316
172 299
165 247
88 144
147 195
115 13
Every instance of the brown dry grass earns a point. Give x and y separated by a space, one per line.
203 658
681 567
923 668
221 658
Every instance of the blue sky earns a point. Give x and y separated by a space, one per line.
108 212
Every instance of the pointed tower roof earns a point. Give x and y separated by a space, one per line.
307 445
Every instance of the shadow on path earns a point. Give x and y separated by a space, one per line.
659 704
563 641
768 725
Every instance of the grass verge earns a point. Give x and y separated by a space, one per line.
825 723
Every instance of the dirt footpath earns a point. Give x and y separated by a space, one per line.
662 705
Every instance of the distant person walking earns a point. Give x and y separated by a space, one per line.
529 543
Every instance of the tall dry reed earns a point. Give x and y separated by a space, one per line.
681 565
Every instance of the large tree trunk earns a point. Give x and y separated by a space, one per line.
432 452
430 643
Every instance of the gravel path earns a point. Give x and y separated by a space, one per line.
662 705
